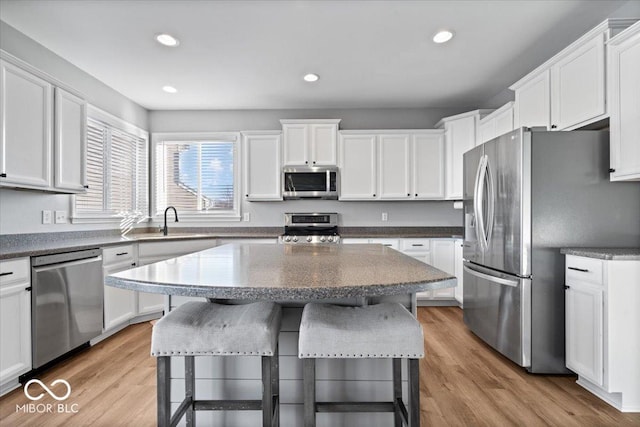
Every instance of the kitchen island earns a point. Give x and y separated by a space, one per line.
292 275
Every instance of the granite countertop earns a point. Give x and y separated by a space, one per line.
286 273
35 244
604 253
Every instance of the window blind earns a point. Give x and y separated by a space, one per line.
196 176
117 170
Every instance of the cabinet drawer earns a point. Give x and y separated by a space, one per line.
392 243
416 245
118 254
584 269
15 270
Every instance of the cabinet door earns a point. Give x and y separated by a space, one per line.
324 142
428 166
487 131
426 258
25 134
577 86
584 323
70 143
624 93
532 105
296 143
262 167
458 291
358 169
443 258
15 331
394 173
119 304
503 122
460 136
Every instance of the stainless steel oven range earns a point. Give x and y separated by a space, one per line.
310 228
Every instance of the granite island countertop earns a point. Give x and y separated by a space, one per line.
35 244
286 273
632 254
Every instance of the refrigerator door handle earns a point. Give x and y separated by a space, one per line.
490 278
491 203
479 202
477 207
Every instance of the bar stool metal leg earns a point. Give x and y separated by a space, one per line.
309 385
275 387
414 392
189 386
163 377
397 391
267 392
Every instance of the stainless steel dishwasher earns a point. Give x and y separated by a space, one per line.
66 302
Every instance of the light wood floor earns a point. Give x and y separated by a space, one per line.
463 383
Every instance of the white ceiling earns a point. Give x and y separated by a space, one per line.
253 54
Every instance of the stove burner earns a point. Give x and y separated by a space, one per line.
310 228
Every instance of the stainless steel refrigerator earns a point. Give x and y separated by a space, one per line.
526 195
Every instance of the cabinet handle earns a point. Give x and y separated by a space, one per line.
3 175
416 194
612 170
6 273
28 289
583 270
408 194
306 162
567 287
314 162
554 127
417 244
246 195
374 195
133 264
122 253
86 186
386 244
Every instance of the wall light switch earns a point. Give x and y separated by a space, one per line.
46 217
246 216
385 216
61 217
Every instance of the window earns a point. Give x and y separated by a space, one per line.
197 174
117 170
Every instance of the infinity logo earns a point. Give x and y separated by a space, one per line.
52 394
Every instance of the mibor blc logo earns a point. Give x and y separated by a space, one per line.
60 394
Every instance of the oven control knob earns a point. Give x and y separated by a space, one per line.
322 239
295 238
287 238
330 239
309 239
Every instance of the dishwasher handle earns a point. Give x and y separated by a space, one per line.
67 264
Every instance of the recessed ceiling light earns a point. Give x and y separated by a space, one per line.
443 36
167 40
169 89
311 77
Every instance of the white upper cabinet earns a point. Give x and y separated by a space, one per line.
497 123
392 165
428 165
358 168
310 142
262 165
624 104
42 144
70 142
568 91
25 137
395 167
461 133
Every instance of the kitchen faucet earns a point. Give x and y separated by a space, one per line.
165 229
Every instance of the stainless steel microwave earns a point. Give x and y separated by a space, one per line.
315 182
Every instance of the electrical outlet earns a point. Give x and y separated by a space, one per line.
246 216
46 217
385 216
61 217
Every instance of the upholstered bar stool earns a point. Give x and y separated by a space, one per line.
209 329
386 330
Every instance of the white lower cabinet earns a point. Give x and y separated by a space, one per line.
120 305
15 322
602 317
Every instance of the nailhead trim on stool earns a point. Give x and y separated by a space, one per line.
386 330
204 328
